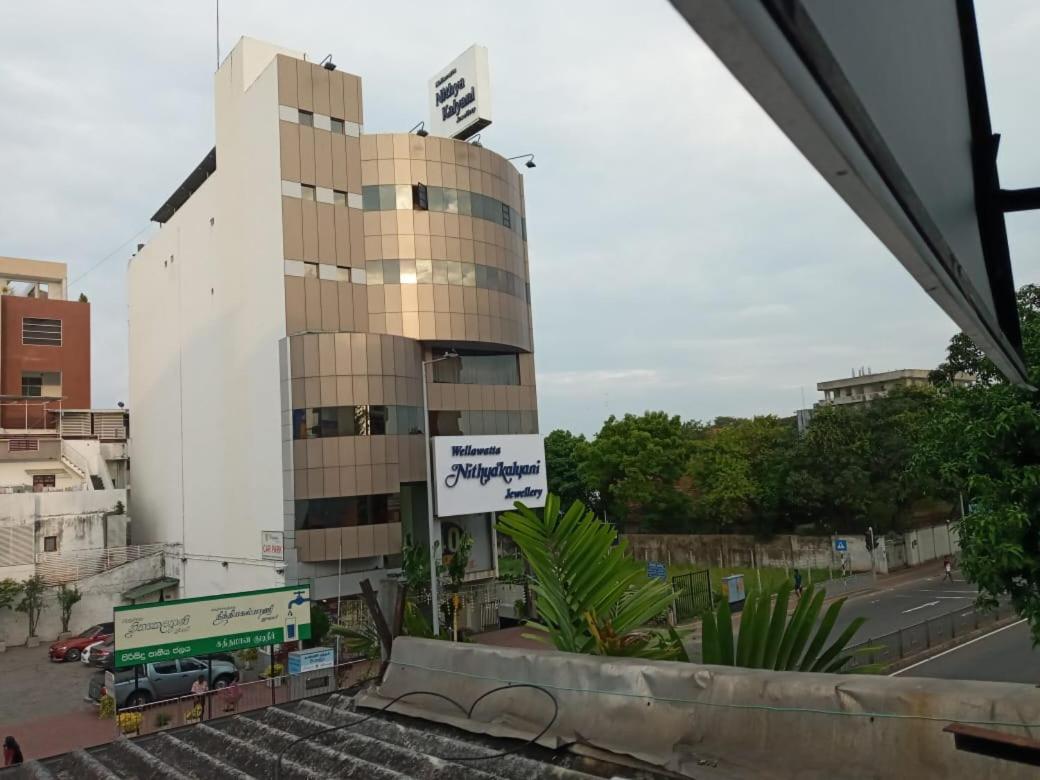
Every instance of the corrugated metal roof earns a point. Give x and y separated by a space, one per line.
383 747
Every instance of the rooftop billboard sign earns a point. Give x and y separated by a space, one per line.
460 95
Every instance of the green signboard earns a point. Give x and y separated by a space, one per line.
211 624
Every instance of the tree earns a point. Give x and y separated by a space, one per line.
319 625
83 298
563 455
984 440
769 639
67 599
10 590
32 601
739 473
592 596
635 465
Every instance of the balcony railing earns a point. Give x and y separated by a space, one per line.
359 541
56 568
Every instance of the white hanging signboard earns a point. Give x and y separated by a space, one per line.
460 96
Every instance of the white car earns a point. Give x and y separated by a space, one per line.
85 656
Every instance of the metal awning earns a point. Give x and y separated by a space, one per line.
152 586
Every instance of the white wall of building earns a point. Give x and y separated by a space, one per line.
101 593
19 473
204 336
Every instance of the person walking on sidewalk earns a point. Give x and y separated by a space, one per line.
798 583
947 569
12 752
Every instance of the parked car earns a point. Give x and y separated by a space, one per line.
72 648
88 651
159 680
101 653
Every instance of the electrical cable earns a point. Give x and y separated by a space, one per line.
726 705
109 256
468 713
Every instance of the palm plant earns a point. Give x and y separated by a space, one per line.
767 639
592 596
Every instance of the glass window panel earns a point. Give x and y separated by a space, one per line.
505 215
440 271
465 203
481 274
339 197
451 200
377 417
299 423
408 272
448 371
514 422
523 228
404 195
375 271
307 118
469 275
436 198
492 278
424 271
307 192
310 270
358 276
391 272
454 272
370 198
527 423
336 125
387 197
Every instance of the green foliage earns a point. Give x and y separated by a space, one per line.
635 465
592 596
32 601
319 625
456 564
984 441
83 298
10 590
415 566
564 453
67 599
770 639
739 471
360 640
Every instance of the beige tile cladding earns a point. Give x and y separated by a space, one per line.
444 312
347 369
329 544
319 231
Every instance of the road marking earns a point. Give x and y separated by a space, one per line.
969 612
922 606
948 590
958 647
953 598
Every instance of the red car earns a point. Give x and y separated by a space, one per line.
72 648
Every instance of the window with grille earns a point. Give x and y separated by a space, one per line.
41 332
50 544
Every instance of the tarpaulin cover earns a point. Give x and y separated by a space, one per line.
714 721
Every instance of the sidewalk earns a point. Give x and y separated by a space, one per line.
60 733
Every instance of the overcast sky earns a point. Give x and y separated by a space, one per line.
684 256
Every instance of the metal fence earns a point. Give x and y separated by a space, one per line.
222 702
916 639
692 594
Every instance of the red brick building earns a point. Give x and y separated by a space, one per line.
44 345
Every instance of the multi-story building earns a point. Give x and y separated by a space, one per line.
864 386
279 324
44 344
64 468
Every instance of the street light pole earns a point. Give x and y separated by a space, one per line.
434 606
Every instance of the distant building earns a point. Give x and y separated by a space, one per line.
44 344
863 386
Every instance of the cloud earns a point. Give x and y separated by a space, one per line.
684 256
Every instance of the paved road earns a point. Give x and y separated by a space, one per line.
1005 655
913 601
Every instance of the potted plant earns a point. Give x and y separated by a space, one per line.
248 657
273 675
107 707
130 722
194 715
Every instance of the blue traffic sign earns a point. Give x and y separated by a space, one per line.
840 545
656 571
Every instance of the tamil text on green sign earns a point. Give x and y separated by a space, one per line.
211 624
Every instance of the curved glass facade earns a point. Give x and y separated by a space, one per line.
449 200
483 277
